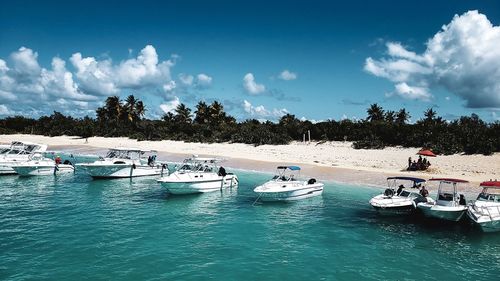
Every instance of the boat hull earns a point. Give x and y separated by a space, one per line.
25 170
442 212
193 187
291 195
120 170
393 205
6 169
486 222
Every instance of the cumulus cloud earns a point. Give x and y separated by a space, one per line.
4 110
410 92
25 84
260 112
463 58
57 88
287 75
252 87
101 77
203 80
186 79
170 86
170 105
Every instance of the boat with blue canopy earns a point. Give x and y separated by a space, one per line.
402 195
286 186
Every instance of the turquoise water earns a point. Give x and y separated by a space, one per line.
72 227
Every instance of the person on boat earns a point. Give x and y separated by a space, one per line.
58 160
400 189
424 192
222 172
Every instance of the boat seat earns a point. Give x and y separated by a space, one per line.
311 181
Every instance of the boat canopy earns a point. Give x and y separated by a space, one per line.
490 184
417 180
293 168
449 180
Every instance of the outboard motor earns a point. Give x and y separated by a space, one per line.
311 181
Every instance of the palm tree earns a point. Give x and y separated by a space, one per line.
183 113
390 116
402 116
201 113
129 108
113 107
216 112
375 113
140 109
430 115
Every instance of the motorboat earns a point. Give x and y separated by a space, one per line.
286 186
401 197
198 175
18 152
71 158
124 162
485 211
38 165
449 204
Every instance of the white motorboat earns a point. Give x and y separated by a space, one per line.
198 175
404 200
124 163
449 204
485 211
285 186
37 165
18 152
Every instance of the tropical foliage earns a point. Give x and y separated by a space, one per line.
210 123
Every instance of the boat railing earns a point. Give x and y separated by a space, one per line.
490 211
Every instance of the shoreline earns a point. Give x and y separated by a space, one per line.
332 161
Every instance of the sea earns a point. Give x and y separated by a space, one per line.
71 227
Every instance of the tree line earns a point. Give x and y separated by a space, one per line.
210 123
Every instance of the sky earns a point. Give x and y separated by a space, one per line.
317 60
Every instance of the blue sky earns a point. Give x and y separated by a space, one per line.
315 59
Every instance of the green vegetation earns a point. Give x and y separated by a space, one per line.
210 123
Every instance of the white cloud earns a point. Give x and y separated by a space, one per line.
170 105
252 87
411 92
260 112
203 80
287 75
463 58
4 110
170 86
186 79
104 78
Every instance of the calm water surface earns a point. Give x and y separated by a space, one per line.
72 227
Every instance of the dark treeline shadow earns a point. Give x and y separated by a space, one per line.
210 123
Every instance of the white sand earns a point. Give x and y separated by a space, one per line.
388 161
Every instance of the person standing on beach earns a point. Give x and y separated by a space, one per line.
409 163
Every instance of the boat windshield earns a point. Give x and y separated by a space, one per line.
405 193
491 195
124 154
199 165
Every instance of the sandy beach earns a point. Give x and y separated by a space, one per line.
336 161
